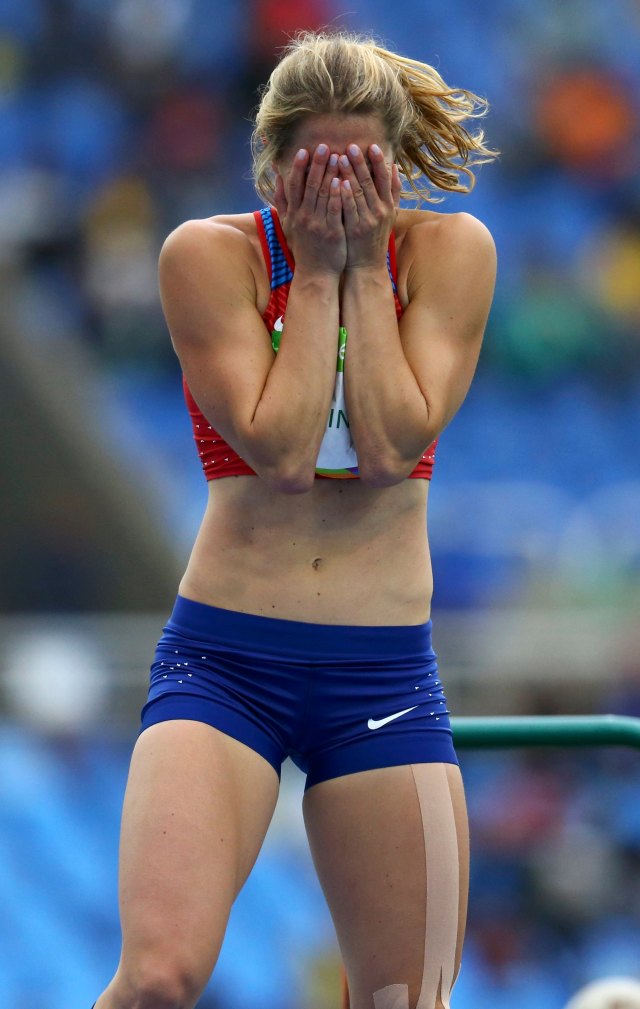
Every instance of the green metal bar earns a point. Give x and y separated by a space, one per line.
545 730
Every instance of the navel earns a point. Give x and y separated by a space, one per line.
316 562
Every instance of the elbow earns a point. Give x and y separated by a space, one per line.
385 469
289 479
383 473
390 464
284 472
380 477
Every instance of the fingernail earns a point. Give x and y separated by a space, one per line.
335 183
344 161
353 150
347 184
375 149
333 160
301 155
322 149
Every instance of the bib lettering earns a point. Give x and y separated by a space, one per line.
337 456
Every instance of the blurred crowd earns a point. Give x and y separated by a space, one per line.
120 120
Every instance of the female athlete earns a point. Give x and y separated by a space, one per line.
325 342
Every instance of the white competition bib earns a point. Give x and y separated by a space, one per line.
337 456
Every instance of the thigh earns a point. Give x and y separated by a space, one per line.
196 810
392 853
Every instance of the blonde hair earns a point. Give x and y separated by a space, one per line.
345 74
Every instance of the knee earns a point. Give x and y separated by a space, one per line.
157 985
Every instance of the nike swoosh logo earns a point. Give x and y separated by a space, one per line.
377 723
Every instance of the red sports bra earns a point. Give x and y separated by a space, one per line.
217 457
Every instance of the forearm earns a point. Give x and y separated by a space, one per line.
291 415
388 413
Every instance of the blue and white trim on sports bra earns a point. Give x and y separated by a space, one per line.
281 272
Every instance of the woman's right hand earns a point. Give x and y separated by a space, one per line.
310 212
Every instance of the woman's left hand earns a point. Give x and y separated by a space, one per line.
370 202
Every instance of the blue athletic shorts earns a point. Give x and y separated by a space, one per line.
336 699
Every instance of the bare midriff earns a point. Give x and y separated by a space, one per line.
343 553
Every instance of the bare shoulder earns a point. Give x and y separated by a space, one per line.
419 228
223 250
228 234
434 248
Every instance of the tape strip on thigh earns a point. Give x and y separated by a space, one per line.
443 883
394 996
442 894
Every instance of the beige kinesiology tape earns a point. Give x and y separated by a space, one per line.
394 996
442 895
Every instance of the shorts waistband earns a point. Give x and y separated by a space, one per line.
242 630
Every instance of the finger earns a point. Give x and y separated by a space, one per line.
396 185
349 206
362 182
315 176
334 206
353 190
279 197
381 174
295 180
325 186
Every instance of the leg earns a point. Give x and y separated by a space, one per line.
197 807
392 853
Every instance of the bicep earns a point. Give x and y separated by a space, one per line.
208 297
443 325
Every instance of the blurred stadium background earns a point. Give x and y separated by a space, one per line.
117 122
